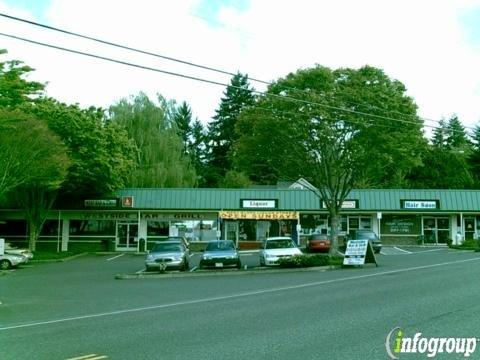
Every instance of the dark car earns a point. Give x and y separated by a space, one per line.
318 242
219 254
167 255
368 235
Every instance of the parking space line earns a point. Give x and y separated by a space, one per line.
115 257
405 251
89 357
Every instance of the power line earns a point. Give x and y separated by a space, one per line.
284 97
195 65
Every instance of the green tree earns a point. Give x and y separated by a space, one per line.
161 161
440 134
102 154
474 156
48 164
14 88
221 130
337 123
456 137
442 168
197 149
183 120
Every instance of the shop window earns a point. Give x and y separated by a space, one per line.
194 230
92 227
157 228
50 228
13 228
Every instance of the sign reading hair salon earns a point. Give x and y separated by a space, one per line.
420 204
259 204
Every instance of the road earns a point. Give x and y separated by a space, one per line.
77 309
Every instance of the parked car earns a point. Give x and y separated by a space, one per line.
370 236
9 249
167 254
180 239
8 261
219 254
318 242
274 248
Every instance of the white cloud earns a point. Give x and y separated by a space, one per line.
420 43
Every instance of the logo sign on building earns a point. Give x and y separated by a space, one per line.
259 215
259 204
420 204
100 203
359 252
346 204
127 201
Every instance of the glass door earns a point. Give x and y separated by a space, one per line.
127 235
469 226
231 231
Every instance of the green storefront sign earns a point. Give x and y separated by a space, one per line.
401 225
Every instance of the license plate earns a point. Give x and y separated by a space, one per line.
218 264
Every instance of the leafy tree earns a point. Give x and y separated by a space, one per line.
234 179
197 150
442 168
44 157
474 156
328 130
161 161
221 131
14 88
102 154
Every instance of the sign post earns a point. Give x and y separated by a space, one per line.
359 253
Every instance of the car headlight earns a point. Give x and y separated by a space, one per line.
177 258
269 256
206 257
150 257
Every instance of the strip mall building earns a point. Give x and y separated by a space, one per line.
138 217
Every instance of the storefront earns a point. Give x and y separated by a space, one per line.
137 218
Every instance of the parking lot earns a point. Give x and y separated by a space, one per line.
47 307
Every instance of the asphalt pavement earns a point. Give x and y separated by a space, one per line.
77 309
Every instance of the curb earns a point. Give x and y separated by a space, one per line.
222 273
58 260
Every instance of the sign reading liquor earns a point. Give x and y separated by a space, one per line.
420 204
259 204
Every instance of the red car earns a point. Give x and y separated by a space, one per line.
318 242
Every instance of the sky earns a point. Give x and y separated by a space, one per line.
431 46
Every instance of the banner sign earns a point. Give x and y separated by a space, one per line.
259 215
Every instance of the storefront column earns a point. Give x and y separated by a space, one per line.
65 234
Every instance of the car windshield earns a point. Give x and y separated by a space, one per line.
279 244
220 246
366 235
167 247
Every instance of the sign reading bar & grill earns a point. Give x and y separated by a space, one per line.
100 203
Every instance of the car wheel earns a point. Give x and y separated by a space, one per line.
239 264
185 266
4 264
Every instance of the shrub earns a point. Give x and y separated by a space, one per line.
308 261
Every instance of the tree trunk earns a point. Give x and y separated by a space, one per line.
334 221
33 235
